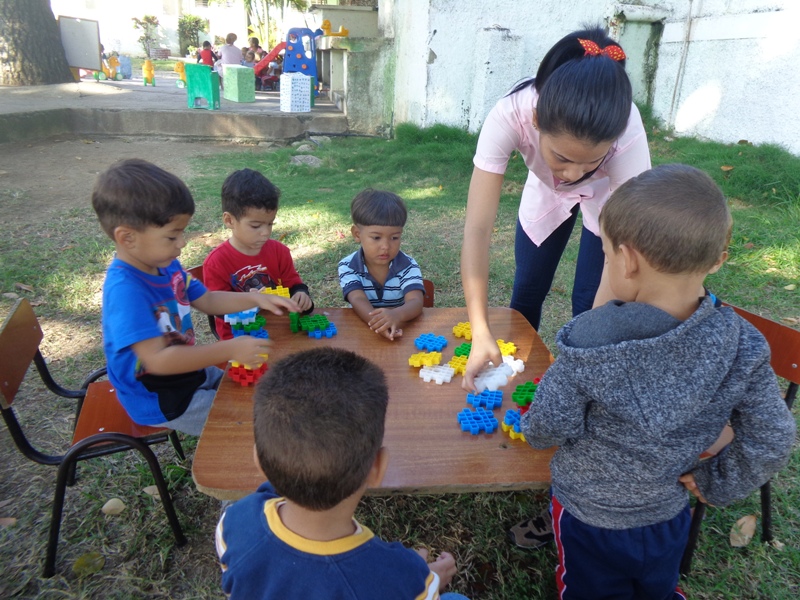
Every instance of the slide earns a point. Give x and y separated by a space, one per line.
262 65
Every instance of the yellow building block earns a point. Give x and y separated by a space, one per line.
506 348
277 291
509 429
463 330
459 364
426 359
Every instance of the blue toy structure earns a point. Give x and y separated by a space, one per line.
486 398
328 332
430 342
300 55
478 420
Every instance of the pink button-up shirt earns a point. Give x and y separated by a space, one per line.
546 203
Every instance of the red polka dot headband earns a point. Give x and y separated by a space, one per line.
592 49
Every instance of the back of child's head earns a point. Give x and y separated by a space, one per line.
138 194
674 215
581 94
378 207
206 44
245 189
318 423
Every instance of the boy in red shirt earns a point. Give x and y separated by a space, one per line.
250 260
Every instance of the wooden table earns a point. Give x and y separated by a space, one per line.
428 451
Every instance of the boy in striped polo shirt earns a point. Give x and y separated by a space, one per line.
383 284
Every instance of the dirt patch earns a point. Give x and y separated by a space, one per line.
46 177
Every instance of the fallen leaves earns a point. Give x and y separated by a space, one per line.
726 168
742 531
113 507
88 564
790 288
24 287
7 522
151 490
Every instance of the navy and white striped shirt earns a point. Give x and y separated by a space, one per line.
404 276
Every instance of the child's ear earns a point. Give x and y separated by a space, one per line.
227 220
125 236
631 260
257 462
356 233
378 469
717 265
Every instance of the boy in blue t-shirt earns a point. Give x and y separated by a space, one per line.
383 284
162 378
318 424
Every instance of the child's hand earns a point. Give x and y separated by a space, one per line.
275 304
689 483
248 350
384 321
303 300
444 566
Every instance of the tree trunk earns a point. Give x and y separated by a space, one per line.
30 44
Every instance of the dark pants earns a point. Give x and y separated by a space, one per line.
536 267
640 563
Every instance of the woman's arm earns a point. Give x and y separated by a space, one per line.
482 203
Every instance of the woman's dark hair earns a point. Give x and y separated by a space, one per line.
588 97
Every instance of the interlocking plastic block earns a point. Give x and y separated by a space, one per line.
257 333
277 291
328 332
506 348
486 398
492 378
425 359
314 322
463 330
438 373
244 375
240 83
463 350
511 424
294 322
430 342
244 317
477 420
524 393
459 364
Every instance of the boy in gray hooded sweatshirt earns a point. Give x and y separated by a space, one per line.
643 385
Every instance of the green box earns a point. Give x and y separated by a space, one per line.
202 84
239 84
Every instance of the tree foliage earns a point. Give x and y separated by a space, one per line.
150 38
189 28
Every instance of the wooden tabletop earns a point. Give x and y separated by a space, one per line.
428 453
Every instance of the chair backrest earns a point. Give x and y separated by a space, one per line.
19 341
784 344
196 273
430 289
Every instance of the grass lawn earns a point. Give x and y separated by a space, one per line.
430 169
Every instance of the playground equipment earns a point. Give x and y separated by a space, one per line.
326 28
202 84
239 84
180 69
149 73
301 52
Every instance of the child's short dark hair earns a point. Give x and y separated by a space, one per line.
378 207
318 420
206 44
674 215
139 194
246 189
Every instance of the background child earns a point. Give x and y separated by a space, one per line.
162 378
318 424
250 260
636 395
383 284
206 55
249 59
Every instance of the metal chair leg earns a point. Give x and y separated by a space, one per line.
64 470
176 443
694 533
766 512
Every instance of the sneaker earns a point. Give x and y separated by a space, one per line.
533 533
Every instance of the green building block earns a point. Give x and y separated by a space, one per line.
463 349
240 84
524 393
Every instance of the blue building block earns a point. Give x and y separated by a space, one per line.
490 400
511 424
328 332
256 333
475 421
430 342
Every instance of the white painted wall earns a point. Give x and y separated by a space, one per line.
116 27
736 78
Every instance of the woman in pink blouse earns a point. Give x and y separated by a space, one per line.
581 137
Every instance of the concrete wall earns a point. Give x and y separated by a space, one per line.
734 76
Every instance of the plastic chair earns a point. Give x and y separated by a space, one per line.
784 344
202 84
98 411
197 273
430 289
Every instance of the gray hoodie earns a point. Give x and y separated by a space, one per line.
635 396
